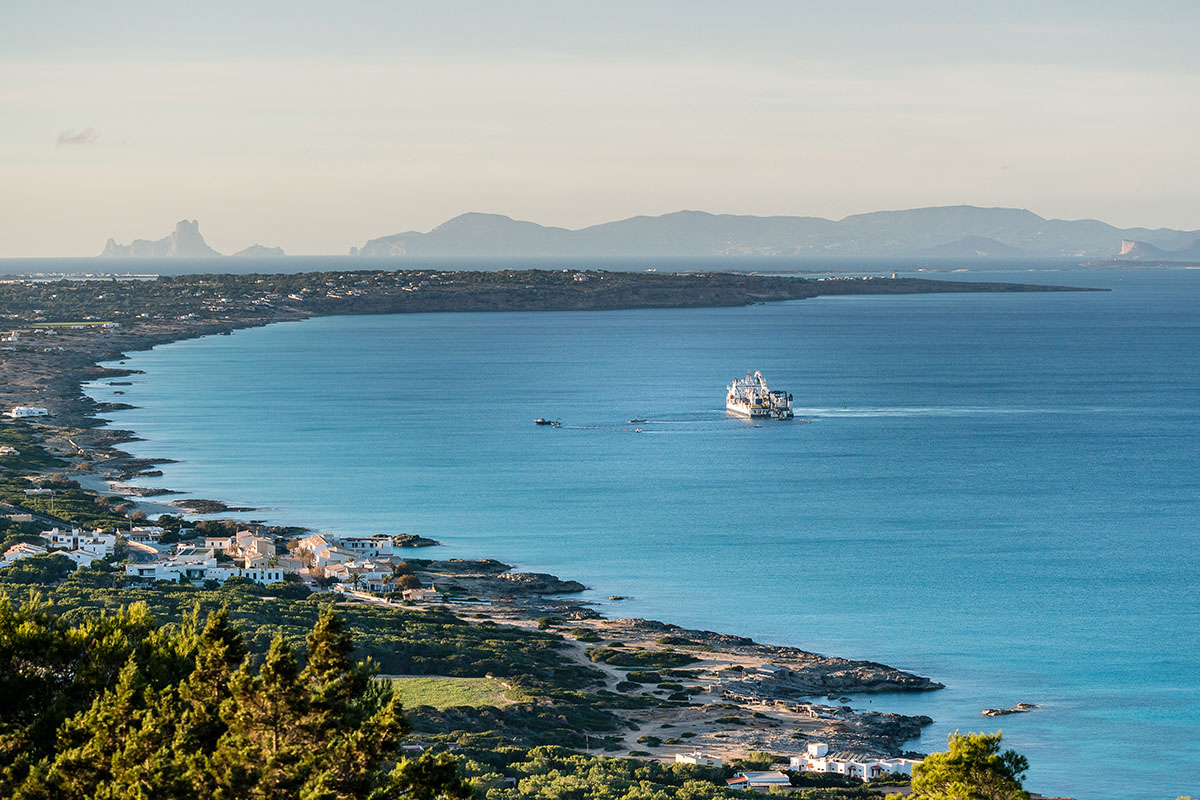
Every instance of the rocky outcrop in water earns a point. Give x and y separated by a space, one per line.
260 251
185 241
540 583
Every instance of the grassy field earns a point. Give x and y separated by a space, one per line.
442 692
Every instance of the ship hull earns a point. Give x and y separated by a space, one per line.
743 410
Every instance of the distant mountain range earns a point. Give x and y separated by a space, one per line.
942 232
185 241
948 231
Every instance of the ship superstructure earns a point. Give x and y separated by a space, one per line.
751 397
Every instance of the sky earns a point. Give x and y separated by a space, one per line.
315 126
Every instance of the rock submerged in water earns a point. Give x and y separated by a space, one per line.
540 583
1019 708
201 506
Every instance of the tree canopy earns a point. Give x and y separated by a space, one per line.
118 707
973 768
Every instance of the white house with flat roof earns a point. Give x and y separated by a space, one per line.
759 780
704 759
371 546
145 533
817 758
75 539
20 412
201 565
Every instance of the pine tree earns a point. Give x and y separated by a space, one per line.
265 739
187 717
973 768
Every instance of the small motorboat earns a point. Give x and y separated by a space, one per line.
553 423
637 420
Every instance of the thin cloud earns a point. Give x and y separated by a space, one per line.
85 136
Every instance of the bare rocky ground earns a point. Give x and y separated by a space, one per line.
743 696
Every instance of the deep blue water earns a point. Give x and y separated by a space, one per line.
1000 491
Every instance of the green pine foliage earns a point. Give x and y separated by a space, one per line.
116 706
973 768
557 699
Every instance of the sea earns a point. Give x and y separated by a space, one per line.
999 491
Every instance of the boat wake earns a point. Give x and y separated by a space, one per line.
922 411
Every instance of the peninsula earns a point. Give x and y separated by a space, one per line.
56 332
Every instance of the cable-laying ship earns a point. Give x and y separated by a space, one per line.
751 397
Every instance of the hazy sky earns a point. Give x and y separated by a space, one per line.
315 126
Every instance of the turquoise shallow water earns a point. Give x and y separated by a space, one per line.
1000 491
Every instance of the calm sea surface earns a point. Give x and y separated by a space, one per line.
1000 491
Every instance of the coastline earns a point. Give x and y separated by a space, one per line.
87 436
759 709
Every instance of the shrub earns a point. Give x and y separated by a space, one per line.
585 635
757 760
642 676
650 659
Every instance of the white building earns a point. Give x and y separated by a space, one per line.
5 450
18 412
251 546
101 544
364 575
81 558
145 533
323 552
372 546
697 757
201 565
19 551
759 780
817 758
